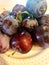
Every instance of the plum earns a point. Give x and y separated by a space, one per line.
4 43
22 42
10 25
36 7
18 8
29 23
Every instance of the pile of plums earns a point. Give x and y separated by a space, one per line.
20 28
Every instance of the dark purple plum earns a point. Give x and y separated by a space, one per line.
37 35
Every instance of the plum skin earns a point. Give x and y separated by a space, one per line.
22 42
